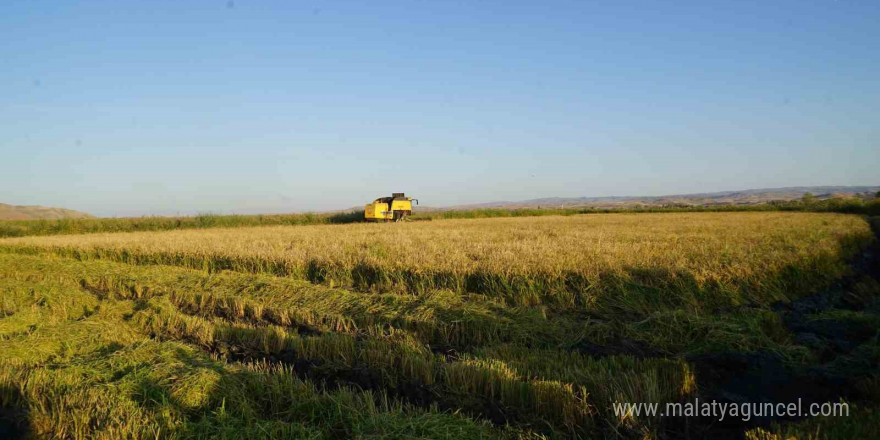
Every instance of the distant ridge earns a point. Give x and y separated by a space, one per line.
742 197
13 212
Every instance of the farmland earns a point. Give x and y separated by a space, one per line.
85 225
513 327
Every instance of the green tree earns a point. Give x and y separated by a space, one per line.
808 198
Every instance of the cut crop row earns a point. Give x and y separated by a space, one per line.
73 366
483 386
442 319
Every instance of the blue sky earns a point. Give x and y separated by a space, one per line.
124 108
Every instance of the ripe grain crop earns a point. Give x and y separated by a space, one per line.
516 328
638 261
21 228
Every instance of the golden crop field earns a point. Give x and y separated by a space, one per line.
527 327
560 260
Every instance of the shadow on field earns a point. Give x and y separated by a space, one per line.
14 421
837 325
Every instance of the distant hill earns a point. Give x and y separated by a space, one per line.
744 197
13 212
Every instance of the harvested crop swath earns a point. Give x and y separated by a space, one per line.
520 328
76 364
482 386
385 360
442 318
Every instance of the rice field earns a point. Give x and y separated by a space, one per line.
567 262
520 327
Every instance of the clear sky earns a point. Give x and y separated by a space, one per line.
122 108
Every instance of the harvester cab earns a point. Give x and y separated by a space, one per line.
386 209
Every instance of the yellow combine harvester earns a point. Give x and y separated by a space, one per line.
386 209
